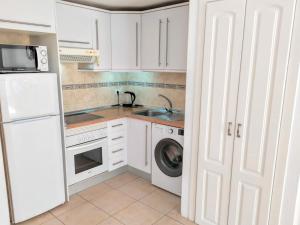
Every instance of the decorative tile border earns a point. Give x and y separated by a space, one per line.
123 83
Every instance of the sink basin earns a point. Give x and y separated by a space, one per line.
162 114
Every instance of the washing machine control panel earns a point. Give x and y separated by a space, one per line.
181 132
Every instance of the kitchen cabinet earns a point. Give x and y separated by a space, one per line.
125 35
242 97
29 15
139 145
74 26
164 39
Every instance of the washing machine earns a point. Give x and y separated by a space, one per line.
167 155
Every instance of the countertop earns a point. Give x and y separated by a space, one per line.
113 113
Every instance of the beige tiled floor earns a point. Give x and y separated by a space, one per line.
124 200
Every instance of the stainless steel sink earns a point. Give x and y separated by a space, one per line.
162 114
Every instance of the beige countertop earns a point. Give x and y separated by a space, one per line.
121 112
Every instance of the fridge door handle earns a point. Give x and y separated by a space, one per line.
29 119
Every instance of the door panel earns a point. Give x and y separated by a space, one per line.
267 37
221 67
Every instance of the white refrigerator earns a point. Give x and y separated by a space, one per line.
32 143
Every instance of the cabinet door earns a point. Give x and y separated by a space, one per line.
268 29
139 145
102 40
125 31
153 44
74 26
36 15
221 66
176 38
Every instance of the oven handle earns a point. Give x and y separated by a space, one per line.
88 145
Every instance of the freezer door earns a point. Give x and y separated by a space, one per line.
28 95
35 165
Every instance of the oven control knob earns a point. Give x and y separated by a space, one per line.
171 131
44 60
43 52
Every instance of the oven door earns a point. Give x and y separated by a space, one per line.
86 160
18 58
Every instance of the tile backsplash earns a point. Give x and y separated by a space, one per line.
84 90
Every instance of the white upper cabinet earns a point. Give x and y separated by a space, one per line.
125 32
74 26
164 39
29 15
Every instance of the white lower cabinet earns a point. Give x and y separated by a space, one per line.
243 88
117 143
139 144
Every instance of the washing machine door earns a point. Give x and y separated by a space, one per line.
168 156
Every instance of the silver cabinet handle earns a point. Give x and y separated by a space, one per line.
117 138
238 133
97 34
137 44
146 146
25 23
75 42
167 42
229 129
159 42
119 162
117 125
119 150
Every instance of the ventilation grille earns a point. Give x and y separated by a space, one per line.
77 58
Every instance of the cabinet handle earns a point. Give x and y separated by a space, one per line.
119 150
26 23
229 129
238 133
97 34
137 44
117 138
75 42
159 42
167 42
146 146
119 162
117 125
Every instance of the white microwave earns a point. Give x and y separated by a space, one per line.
23 58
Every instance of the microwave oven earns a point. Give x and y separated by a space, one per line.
23 58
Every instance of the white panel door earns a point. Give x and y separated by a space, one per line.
139 145
268 28
221 68
125 32
177 20
74 26
28 95
35 164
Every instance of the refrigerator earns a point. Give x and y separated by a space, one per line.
31 143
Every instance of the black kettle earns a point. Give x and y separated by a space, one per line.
132 97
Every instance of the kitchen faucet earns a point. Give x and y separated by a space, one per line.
170 109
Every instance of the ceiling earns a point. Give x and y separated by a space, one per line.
126 4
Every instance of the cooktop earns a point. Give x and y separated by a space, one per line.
80 117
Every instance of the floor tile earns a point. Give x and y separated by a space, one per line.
39 219
113 201
75 201
162 201
86 214
138 214
110 221
138 188
95 191
121 180
175 214
53 222
167 221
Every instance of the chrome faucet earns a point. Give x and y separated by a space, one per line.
170 109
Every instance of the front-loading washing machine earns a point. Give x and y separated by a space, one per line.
167 155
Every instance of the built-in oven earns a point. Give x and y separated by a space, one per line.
87 155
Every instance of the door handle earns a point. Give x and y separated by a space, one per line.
159 42
167 43
229 129
238 132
